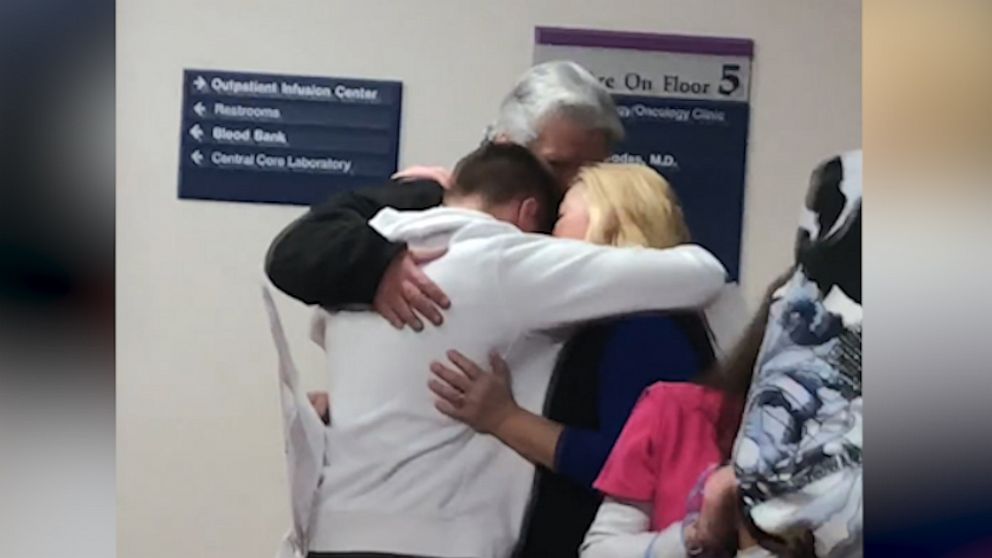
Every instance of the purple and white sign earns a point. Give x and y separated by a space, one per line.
684 103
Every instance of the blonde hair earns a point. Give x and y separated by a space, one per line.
631 205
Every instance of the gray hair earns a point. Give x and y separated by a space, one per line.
555 88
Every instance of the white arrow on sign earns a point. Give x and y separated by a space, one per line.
200 83
197 157
197 132
199 109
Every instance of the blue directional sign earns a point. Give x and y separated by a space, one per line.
285 139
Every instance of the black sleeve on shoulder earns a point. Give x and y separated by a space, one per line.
331 256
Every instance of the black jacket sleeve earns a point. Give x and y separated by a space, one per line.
331 256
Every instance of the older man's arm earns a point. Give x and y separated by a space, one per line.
332 257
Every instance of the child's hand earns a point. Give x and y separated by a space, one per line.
713 532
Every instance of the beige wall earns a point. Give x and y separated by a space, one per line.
200 470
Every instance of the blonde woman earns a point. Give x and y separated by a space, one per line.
601 373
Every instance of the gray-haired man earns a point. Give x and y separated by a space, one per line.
331 257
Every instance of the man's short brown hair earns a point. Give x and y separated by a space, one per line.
502 172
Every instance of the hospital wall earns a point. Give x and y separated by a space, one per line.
200 466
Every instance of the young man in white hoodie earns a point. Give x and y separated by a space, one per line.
401 479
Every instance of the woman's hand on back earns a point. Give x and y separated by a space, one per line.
468 393
483 400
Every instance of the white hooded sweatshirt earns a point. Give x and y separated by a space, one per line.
400 477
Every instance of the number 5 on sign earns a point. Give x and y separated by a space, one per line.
730 81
